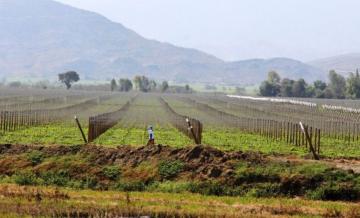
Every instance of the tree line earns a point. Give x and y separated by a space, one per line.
144 84
337 87
140 83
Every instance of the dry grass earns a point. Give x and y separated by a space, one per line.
17 201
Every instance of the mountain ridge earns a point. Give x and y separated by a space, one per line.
344 63
43 38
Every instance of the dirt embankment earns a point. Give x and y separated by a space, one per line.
201 161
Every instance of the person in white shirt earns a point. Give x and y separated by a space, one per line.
151 136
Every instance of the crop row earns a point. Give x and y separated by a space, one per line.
14 120
333 123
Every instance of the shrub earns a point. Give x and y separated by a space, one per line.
35 157
207 188
89 183
25 178
60 178
170 169
253 176
265 190
130 186
342 191
169 187
111 172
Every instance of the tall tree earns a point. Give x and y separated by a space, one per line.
187 88
286 87
152 85
319 89
113 85
164 86
69 78
320 85
337 84
125 85
299 88
142 83
271 87
274 77
353 85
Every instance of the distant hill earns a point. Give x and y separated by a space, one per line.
342 63
257 69
40 38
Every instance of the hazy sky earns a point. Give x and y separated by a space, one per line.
242 29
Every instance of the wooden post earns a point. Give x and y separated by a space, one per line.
305 131
318 138
81 130
190 127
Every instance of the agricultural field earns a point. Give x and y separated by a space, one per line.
214 155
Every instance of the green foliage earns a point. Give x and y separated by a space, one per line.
338 191
58 178
338 87
273 77
130 186
25 178
125 85
265 190
337 84
69 78
269 89
164 86
144 84
135 136
90 182
170 169
286 89
233 140
113 85
299 88
215 188
111 172
56 133
169 186
35 157
353 85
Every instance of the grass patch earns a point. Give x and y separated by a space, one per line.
52 134
170 169
35 157
137 136
234 140
111 172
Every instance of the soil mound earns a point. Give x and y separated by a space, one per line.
200 161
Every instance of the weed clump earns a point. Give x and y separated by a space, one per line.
170 169
208 188
35 157
112 172
136 186
25 178
59 178
265 190
335 192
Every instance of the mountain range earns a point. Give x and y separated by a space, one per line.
342 63
41 38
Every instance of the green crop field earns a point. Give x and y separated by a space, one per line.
244 160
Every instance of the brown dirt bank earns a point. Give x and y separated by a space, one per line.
202 161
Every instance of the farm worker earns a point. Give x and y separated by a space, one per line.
151 136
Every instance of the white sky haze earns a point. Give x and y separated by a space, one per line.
241 29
